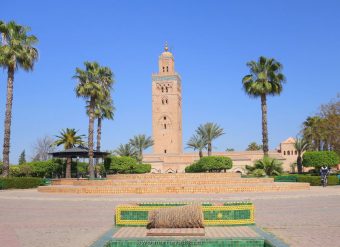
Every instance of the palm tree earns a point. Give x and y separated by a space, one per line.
312 132
94 84
140 143
16 51
269 166
265 78
300 145
69 139
209 132
197 142
126 150
103 110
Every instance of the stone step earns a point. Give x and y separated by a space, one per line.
173 175
259 187
166 182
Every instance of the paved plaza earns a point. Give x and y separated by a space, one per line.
29 218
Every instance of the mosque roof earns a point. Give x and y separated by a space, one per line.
289 140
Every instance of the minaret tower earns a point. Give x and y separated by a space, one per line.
167 106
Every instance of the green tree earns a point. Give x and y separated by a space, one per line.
140 143
197 142
126 150
94 85
253 146
209 132
300 145
22 158
265 78
229 149
317 159
69 139
16 51
103 110
210 164
312 132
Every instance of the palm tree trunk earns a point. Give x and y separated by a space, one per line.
140 155
99 136
90 138
200 153
264 124
299 163
68 168
209 149
8 121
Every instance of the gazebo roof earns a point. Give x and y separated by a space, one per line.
80 151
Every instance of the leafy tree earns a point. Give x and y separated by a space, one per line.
265 78
197 142
322 131
300 145
330 114
320 158
94 85
229 149
22 158
126 150
209 132
253 146
16 51
140 143
269 165
69 139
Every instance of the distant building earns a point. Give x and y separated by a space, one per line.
168 153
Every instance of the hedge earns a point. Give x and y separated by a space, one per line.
316 180
210 164
285 179
320 158
20 183
313 180
125 165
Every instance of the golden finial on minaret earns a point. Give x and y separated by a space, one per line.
166 48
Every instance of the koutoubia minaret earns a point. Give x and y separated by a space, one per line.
166 106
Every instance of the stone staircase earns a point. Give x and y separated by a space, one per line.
170 183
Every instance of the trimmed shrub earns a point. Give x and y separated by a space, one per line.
20 183
319 158
14 171
44 168
125 165
210 164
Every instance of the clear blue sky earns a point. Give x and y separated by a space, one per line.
211 42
